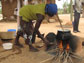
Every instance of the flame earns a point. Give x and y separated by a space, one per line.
67 47
60 45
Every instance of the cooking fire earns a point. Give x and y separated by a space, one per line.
66 48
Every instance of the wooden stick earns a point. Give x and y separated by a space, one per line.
47 60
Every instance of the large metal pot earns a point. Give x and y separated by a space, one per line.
63 34
7 35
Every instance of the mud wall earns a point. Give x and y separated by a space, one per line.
8 9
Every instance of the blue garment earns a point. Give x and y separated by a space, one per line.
51 8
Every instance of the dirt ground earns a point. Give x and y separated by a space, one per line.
26 56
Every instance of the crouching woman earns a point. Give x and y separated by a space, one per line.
26 28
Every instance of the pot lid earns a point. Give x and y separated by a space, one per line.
65 30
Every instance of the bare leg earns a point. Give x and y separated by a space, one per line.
29 42
19 33
27 34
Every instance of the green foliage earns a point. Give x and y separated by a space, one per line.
60 11
0 8
0 11
66 7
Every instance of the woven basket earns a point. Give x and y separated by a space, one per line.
7 35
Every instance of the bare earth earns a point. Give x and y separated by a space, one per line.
34 57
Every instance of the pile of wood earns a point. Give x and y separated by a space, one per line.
64 57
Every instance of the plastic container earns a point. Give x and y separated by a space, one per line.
63 34
9 30
7 46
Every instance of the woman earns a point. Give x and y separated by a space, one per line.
26 29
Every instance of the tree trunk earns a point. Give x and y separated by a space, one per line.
50 1
8 9
83 12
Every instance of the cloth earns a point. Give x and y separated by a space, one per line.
78 5
25 29
77 10
51 8
29 12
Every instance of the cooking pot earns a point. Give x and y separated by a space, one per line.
51 37
63 34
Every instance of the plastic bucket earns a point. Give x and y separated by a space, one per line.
7 46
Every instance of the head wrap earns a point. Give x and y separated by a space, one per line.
51 8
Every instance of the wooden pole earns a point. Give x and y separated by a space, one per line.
45 1
71 14
18 7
